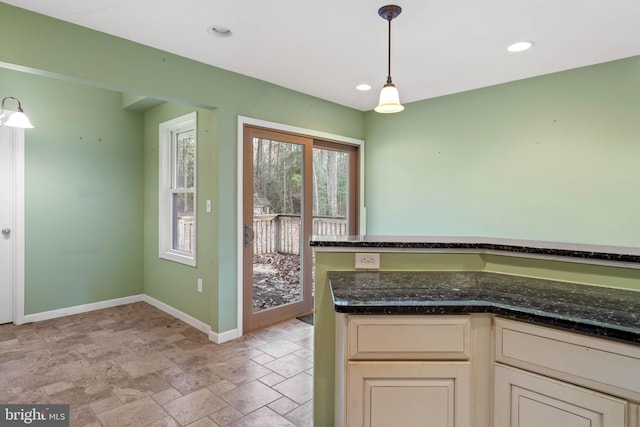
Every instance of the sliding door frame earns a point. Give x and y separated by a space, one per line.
242 121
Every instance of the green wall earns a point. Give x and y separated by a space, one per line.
83 193
45 46
167 281
547 158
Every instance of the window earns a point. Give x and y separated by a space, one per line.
177 190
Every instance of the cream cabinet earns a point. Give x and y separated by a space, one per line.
481 371
408 394
558 378
523 399
403 371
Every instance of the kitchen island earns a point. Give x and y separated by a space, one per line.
534 281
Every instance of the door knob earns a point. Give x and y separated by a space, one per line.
6 231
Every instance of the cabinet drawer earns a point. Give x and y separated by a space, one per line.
408 337
597 363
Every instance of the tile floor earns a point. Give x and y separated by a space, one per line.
135 365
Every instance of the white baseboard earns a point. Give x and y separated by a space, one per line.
217 338
84 308
190 320
221 337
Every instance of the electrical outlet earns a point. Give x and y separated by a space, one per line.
200 285
368 261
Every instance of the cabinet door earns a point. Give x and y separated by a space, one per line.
408 394
523 399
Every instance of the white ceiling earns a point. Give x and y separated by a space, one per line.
324 48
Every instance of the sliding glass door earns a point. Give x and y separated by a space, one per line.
294 186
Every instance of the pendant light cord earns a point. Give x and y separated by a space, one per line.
389 18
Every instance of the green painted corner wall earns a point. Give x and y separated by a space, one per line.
49 47
170 282
83 193
547 158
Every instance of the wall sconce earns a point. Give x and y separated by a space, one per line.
14 118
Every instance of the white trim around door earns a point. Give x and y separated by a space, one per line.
16 139
239 221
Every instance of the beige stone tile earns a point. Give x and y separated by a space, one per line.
283 405
252 340
5 392
81 416
204 422
105 405
241 372
226 415
298 388
249 397
221 387
188 381
173 337
107 372
280 348
263 358
272 379
261 418
7 332
30 396
81 395
137 388
194 406
134 414
190 359
114 367
164 422
289 365
57 387
305 353
166 395
143 366
301 335
31 377
305 342
302 416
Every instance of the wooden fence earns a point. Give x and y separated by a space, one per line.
185 234
281 233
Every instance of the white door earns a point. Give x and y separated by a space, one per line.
7 222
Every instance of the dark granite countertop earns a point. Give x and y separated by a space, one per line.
628 256
607 312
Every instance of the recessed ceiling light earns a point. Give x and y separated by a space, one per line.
363 87
520 46
219 30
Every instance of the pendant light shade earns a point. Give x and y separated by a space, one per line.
389 96
389 100
17 118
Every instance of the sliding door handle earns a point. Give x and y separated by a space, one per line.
249 235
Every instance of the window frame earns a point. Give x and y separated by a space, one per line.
166 188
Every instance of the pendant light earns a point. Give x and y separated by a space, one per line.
389 96
16 119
